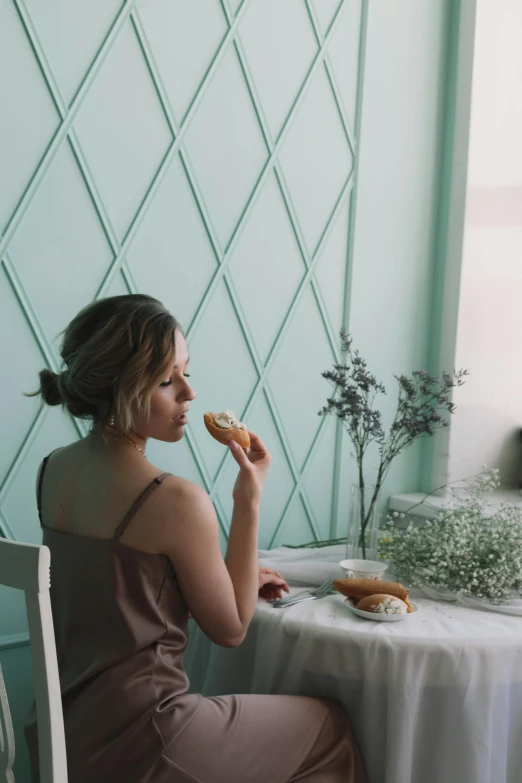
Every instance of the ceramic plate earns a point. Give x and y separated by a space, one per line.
380 618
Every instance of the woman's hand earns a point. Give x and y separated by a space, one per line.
271 584
253 467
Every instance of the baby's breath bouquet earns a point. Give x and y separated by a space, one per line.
470 548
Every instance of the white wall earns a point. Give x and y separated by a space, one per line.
485 426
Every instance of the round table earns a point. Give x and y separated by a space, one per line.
436 698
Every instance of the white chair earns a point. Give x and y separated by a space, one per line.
27 567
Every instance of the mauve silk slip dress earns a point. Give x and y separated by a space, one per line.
121 627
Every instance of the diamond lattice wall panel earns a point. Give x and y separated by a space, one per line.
234 5
18 496
21 360
296 528
184 37
203 153
123 129
325 11
344 57
278 77
172 257
206 152
295 376
47 253
315 181
331 271
318 480
226 146
267 266
118 286
23 98
71 33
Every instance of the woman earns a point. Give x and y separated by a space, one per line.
134 551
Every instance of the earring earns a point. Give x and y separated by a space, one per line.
111 420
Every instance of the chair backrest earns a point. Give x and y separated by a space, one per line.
7 745
27 567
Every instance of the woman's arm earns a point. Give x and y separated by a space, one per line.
241 556
221 593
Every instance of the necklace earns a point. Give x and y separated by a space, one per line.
123 439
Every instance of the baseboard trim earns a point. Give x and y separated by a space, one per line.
14 640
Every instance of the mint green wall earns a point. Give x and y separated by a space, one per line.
393 308
206 153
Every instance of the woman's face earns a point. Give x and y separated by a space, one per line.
170 401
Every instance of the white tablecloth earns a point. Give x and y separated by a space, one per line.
436 698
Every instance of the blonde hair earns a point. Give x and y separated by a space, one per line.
116 351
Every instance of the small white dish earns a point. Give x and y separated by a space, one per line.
363 569
380 618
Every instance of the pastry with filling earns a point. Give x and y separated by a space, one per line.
224 427
383 604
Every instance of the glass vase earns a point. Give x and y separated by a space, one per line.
363 523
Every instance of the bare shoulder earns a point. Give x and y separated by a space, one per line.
53 454
177 513
183 495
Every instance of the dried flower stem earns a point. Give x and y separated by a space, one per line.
421 401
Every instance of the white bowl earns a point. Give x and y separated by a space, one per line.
380 618
363 569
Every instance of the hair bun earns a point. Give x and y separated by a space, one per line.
50 387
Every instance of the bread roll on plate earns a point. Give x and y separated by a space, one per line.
360 588
224 427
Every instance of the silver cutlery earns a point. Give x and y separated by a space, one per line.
307 591
305 595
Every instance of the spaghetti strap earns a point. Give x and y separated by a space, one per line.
137 505
40 483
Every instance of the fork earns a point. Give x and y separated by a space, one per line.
307 591
321 592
